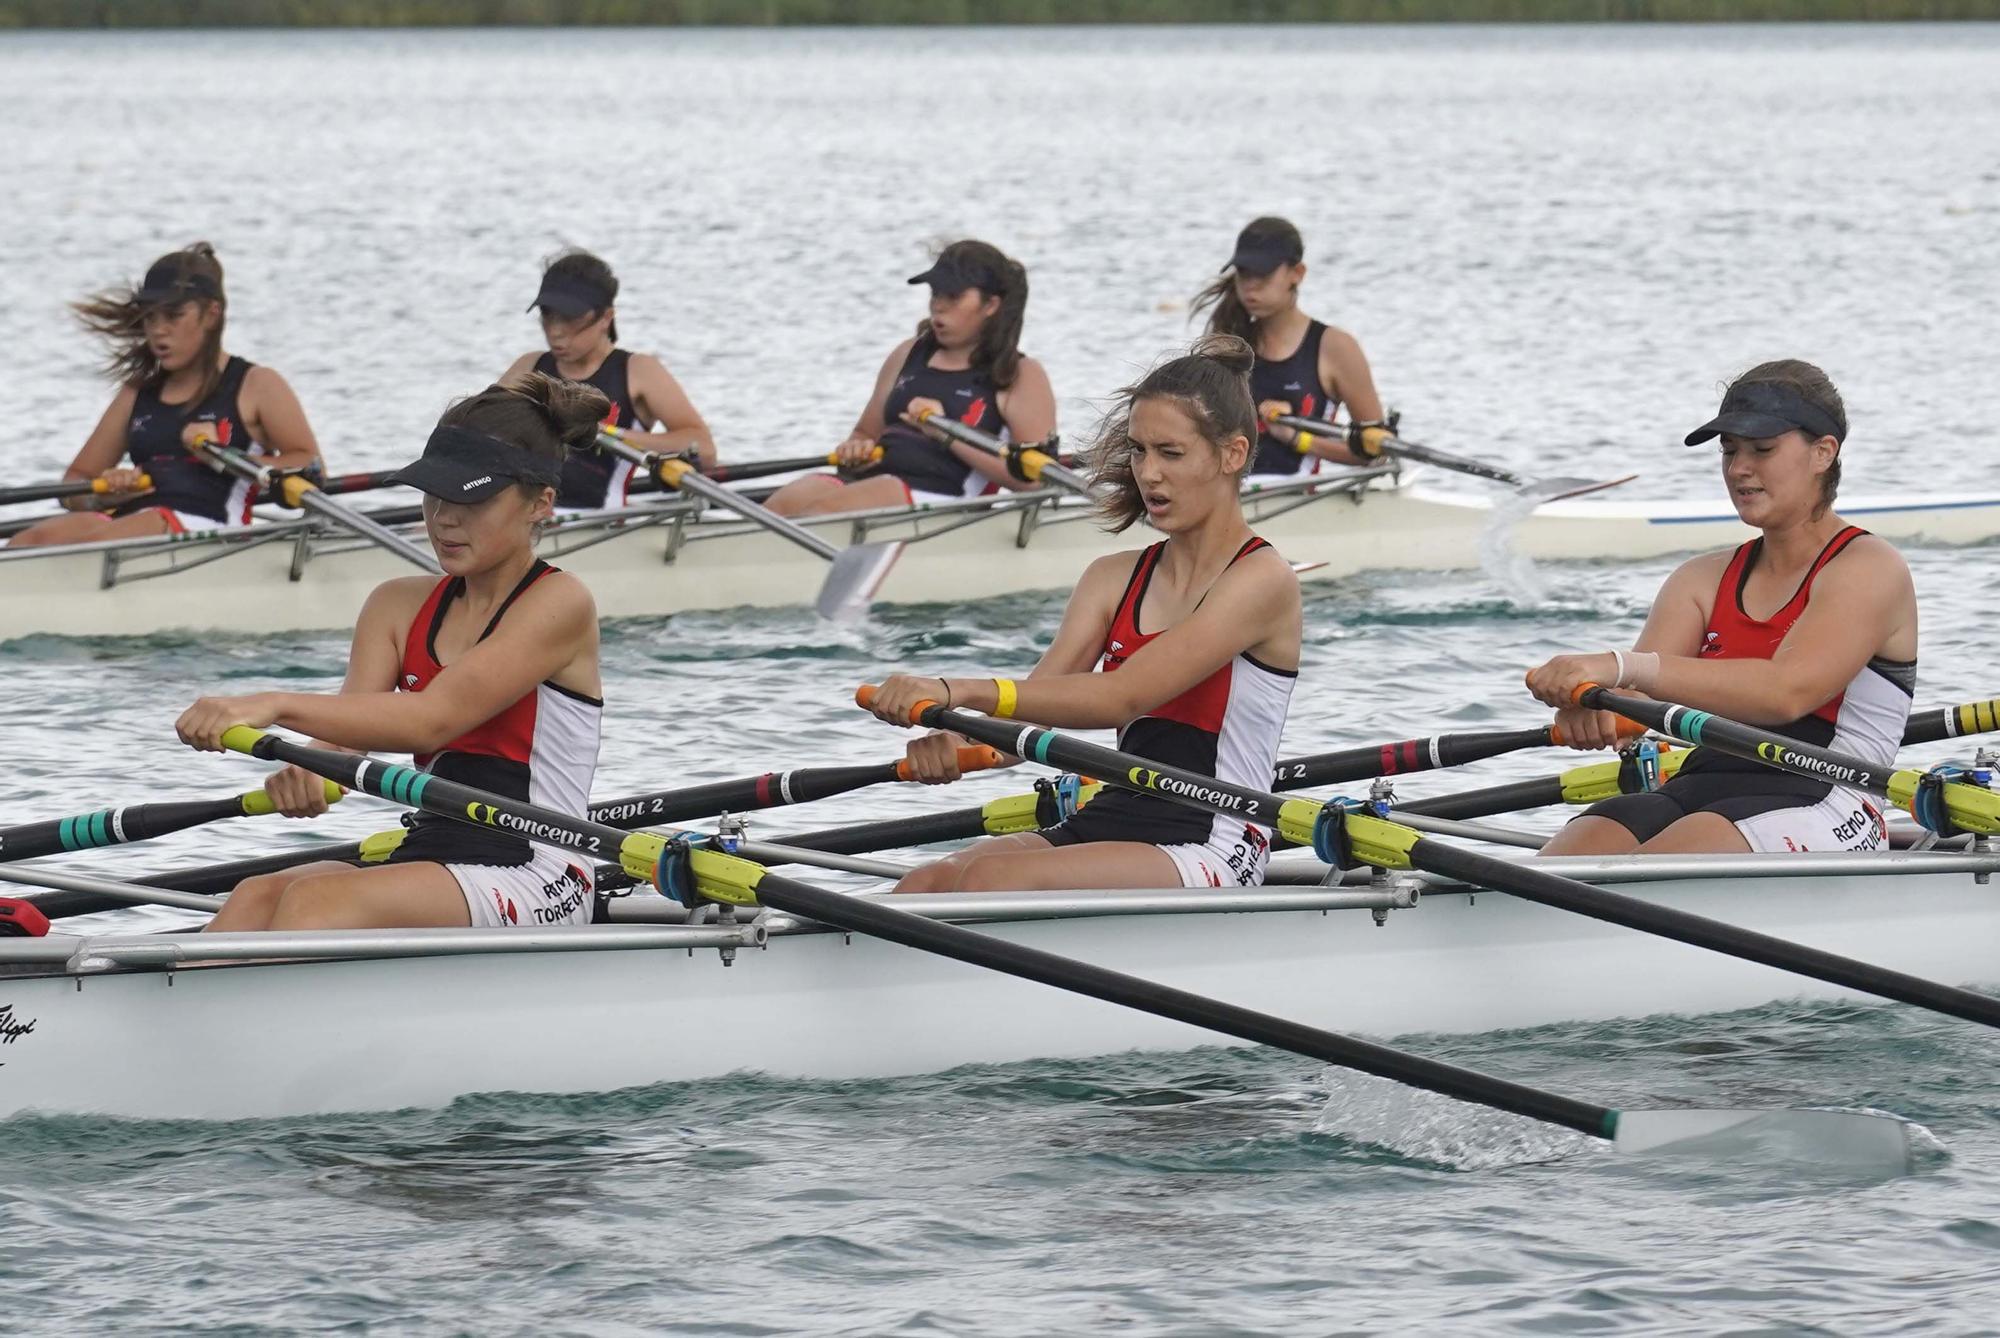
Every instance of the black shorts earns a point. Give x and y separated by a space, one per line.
1737 793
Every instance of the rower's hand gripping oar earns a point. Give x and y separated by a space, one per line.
746 470
1939 803
1374 440
1345 833
46 492
688 874
297 491
857 571
1031 463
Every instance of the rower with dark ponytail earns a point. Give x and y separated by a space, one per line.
965 362
1188 648
177 385
1304 366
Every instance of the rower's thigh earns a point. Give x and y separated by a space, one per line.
86 527
1055 868
803 495
865 495
1591 836
390 896
943 875
1698 834
252 902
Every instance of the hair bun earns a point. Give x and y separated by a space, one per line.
1232 353
572 409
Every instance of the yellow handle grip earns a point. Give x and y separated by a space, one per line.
241 738
257 803
144 482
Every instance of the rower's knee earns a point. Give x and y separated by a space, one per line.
988 873
312 902
939 876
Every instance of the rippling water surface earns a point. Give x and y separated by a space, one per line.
1555 245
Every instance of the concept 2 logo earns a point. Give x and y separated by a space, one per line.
1777 752
1147 778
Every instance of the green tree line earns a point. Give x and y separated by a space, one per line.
452 13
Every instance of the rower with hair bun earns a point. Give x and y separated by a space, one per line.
577 302
489 676
1304 367
177 386
1809 630
965 362
1197 638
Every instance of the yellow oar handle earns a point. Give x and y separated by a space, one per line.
257 803
143 482
241 739
874 457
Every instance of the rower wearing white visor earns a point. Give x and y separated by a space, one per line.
489 677
1195 641
1810 630
965 362
1305 367
577 304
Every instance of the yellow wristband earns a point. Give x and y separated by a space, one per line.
1303 442
1007 695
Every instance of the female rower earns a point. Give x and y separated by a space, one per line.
1202 630
1809 629
1304 367
489 676
580 323
177 385
965 361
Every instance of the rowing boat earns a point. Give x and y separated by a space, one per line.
673 554
132 1025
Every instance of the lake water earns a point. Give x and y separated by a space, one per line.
1555 244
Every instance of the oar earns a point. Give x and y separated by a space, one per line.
771 790
106 890
745 470
295 490
1950 722
1384 441
856 572
1031 463
43 492
1966 807
1370 760
140 822
688 875
1343 833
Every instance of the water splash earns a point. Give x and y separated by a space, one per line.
1440 1130
1514 571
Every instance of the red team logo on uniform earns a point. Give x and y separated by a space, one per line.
976 412
505 906
611 418
1711 643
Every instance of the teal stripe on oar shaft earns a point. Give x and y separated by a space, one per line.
111 827
1756 745
870 916
1550 889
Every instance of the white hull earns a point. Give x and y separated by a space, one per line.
296 579
290 1038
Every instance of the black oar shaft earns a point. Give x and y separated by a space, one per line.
1409 450
1550 889
871 916
1757 745
1950 722
1394 759
112 827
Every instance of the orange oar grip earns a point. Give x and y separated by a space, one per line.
1627 729
1581 688
978 757
864 697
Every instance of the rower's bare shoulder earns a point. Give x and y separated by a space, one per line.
564 595
1702 572
1268 569
1870 557
519 368
399 596
1113 569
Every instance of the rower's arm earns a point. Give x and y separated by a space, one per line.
1863 602
1247 603
1344 367
102 450
661 398
536 642
871 424
277 420
519 368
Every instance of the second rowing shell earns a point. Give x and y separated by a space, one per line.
671 556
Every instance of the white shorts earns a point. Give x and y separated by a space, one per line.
1846 820
1224 863
180 522
552 888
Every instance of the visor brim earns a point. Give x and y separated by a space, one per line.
1746 423
451 480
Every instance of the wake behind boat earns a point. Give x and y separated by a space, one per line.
675 554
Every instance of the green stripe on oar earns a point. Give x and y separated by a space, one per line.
1347 834
121 826
1967 806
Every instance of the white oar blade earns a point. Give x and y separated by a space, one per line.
853 578
1556 489
1832 1138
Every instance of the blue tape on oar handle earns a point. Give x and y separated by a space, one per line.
673 873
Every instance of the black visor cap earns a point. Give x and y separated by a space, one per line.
1259 258
570 297
951 278
169 281
461 465
1759 410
